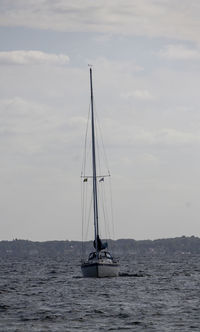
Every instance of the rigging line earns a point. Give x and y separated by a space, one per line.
97 145
86 217
104 154
111 215
89 217
111 207
83 201
85 143
101 188
100 204
83 198
84 211
101 149
98 154
84 188
105 210
101 142
88 162
87 208
103 192
81 221
84 205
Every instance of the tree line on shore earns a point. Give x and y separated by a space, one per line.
26 248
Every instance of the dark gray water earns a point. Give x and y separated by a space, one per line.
153 294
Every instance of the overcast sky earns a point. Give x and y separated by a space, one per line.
146 62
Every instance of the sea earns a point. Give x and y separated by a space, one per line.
152 293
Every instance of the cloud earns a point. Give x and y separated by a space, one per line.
129 135
153 18
29 127
116 65
138 94
32 58
175 137
180 52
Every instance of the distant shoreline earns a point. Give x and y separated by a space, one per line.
26 248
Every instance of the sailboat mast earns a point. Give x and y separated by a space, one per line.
95 202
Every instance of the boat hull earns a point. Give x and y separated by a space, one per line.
100 270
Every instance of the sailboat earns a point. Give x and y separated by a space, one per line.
100 262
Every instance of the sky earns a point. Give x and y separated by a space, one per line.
146 61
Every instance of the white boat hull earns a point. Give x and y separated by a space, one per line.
100 270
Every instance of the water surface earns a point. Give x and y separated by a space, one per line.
152 294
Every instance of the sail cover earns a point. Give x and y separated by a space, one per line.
100 245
